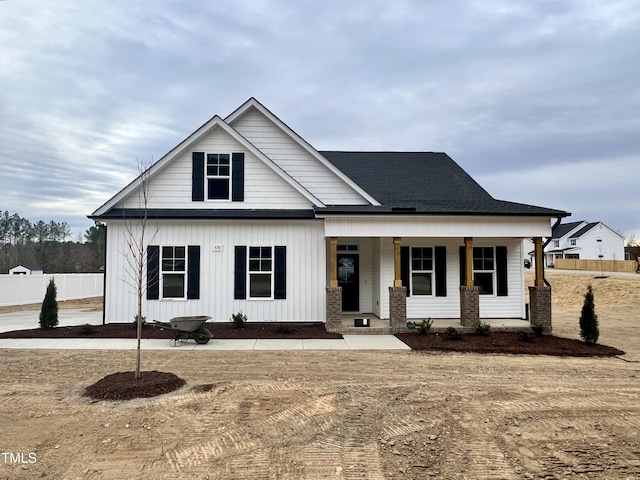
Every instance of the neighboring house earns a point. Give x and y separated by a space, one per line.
246 215
26 270
585 241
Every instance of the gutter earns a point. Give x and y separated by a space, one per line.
558 221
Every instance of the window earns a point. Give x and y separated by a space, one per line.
347 248
574 241
173 272
260 272
572 256
422 270
556 243
218 176
483 269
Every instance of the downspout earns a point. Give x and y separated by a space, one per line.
558 221
104 279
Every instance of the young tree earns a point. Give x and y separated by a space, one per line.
588 319
49 311
137 240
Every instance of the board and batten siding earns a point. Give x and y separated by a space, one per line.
263 188
305 267
295 160
491 306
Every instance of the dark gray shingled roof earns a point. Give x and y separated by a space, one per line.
421 182
584 230
564 228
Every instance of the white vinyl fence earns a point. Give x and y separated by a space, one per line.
25 289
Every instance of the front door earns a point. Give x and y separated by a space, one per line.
348 279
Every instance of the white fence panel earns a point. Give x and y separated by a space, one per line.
25 289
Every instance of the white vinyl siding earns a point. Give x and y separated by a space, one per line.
263 188
295 160
305 270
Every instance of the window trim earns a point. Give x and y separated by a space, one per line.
208 177
556 244
573 242
432 272
493 271
162 272
271 272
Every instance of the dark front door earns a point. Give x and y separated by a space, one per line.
348 279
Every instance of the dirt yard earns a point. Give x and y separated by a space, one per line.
339 414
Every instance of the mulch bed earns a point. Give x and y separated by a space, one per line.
221 330
124 385
508 342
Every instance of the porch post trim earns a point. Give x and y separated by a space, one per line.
333 254
397 275
468 275
539 279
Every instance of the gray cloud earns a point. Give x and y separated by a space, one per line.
545 91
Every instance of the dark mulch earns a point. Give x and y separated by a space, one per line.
124 385
508 342
218 330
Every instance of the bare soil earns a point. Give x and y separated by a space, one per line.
338 414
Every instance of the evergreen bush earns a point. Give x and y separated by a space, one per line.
49 311
588 319
238 319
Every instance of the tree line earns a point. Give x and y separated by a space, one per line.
47 245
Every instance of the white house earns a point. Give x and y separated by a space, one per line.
26 270
246 215
586 241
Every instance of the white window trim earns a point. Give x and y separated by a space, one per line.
271 272
184 273
432 272
556 243
207 177
573 242
492 272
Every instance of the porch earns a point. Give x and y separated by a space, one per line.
378 326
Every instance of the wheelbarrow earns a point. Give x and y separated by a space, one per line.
185 328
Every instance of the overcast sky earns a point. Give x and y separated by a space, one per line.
539 100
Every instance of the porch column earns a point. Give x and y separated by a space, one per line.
469 293
334 292
397 293
539 293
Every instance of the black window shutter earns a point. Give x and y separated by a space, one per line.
463 265
153 272
193 272
405 261
280 280
197 177
501 271
237 177
240 273
441 271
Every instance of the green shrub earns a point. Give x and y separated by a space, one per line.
86 329
588 319
134 324
49 311
238 319
537 329
452 334
424 326
483 328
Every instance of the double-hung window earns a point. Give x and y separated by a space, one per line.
422 270
260 272
483 269
173 264
218 176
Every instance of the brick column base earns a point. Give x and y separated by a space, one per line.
398 308
540 306
334 309
469 306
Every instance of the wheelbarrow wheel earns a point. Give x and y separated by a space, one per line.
203 336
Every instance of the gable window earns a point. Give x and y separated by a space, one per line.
422 270
574 241
173 272
218 176
260 272
556 243
483 269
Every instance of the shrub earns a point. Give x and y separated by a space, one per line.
526 336
483 328
537 329
86 329
424 326
134 324
285 329
239 319
49 311
452 334
588 319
